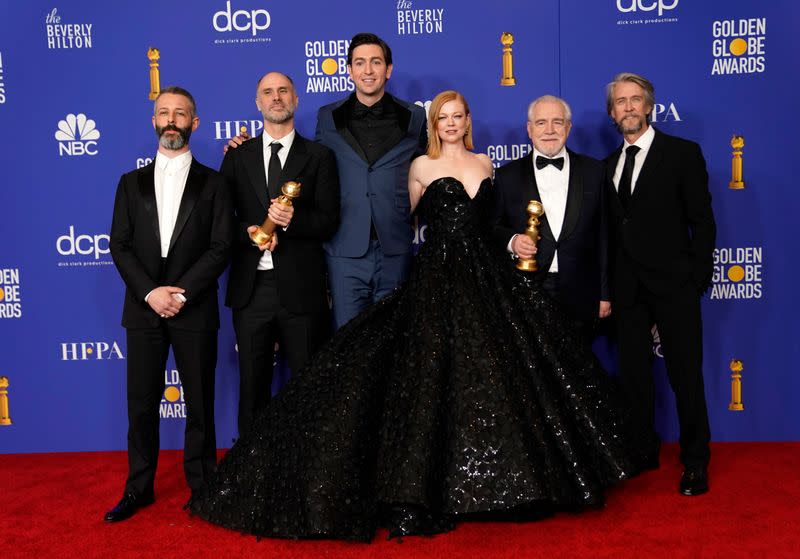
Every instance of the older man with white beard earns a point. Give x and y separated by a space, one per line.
572 254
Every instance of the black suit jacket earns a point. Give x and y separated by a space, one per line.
583 241
299 259
666 238
199 249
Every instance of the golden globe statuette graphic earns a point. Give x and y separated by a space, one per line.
737 182
5 418
535 210
263 234
736 367
507 39
155 77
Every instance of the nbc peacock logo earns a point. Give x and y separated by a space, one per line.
77 135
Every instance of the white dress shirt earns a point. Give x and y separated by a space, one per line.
170 182
553 185
644 142
266 257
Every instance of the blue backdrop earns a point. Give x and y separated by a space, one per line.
75 114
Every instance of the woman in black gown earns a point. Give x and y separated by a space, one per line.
465 391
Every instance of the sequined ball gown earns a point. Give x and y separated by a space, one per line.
463 392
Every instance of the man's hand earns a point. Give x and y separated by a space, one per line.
280 214
236 141
163 302
271 245
523 246
605 309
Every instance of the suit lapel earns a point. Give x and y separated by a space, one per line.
651 162
529 178
191 192
404 119
147 190
611 167
295 161
253 157
572 211
339 115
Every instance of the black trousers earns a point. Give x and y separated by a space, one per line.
196 357
259 325
677 317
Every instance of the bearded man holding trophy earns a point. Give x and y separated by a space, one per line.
277 284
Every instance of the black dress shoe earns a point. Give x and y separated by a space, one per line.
694 481
127 507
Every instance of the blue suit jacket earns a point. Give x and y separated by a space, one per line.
376 193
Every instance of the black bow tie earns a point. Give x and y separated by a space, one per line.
360 110
542 162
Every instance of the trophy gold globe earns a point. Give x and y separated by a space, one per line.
535 210
263 234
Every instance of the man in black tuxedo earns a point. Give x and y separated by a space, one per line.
278 292
572 254
171 239
664 234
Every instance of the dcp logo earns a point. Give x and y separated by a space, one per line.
241 20
77 135
625 6
70 245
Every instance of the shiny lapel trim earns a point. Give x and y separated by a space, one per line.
191 192
529 177
147 190
572 211
253 156
339 116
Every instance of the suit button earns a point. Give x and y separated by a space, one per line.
370 169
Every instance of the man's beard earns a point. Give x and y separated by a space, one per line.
173 142
279 117
631 128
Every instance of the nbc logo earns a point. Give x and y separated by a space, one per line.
77 135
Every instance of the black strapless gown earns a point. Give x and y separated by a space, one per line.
465 391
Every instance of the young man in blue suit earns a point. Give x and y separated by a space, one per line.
374 137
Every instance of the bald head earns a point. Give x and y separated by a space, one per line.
276 98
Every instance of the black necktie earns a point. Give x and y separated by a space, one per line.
624 188
542 162
274 170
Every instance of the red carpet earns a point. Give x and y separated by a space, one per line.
51 505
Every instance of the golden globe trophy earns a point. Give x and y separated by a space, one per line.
507 39
535 210
5 419
155 77
263 234
737 181
736 367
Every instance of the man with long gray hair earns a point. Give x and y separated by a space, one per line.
664 233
